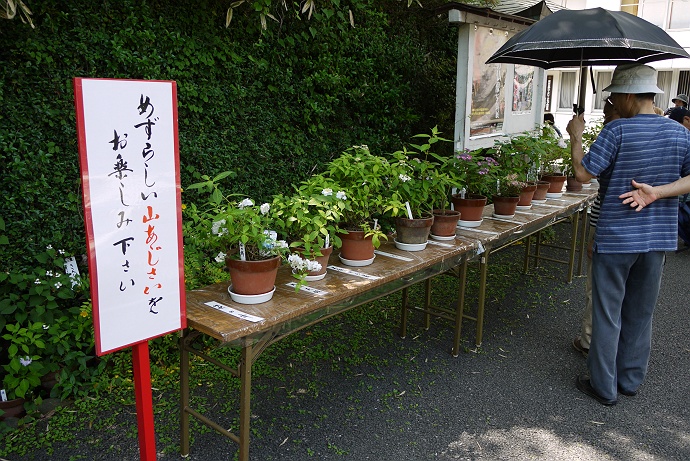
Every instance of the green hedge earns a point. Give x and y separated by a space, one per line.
272 106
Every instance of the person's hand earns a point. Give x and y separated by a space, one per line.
576 126
642 196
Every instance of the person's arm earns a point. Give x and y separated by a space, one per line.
575 128
644 194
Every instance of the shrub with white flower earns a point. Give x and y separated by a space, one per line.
239 230
308 218
301 267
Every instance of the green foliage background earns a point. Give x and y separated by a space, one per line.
273 106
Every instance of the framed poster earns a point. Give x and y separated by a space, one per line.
129 157
488 84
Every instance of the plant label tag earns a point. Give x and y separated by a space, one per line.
3 395
391 255
72 270
234 312
409 211
243 252
327 242
314 291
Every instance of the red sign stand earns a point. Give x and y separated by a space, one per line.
142 390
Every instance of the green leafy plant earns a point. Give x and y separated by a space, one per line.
364 179
23 372
416 178
519 155
472 171
509 186
42 319
238 229
309 217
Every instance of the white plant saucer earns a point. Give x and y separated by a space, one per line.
410 246
442 237
524 207
587 184
554 194
356 262
503 216
538 201
462 223
314 278
251 299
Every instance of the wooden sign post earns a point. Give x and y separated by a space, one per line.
129 157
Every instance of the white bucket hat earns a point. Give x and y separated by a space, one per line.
633 79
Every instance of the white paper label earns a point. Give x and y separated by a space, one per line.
234 312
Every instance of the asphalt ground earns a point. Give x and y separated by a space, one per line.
384 398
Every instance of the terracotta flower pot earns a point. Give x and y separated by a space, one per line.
12 409
356 247
445 223
471 208
413 230
527 194
505 206
542 189
323 259
253 277
556 182
573 184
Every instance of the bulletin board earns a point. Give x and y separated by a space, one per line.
129 157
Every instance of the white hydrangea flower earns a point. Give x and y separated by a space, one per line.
404 177
37 281
281 244
562 144
295 261
49 273
265 208
62 252
216 227
25 361
272 235
313 266
220 257
327 192
340 195
58 285
245 203
49 247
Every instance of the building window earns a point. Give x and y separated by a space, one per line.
603 80
678 16
684 82
566 96
667 14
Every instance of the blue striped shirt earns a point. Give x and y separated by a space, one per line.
650 149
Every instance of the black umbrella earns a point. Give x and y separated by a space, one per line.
589 37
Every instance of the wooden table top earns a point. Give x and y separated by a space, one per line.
343 283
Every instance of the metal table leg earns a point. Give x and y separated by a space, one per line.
462 278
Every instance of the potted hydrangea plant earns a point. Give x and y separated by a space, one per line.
361 176
472 174
241 232
308 220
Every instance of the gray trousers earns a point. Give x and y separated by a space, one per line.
625 288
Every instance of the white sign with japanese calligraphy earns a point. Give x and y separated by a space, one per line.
131 185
